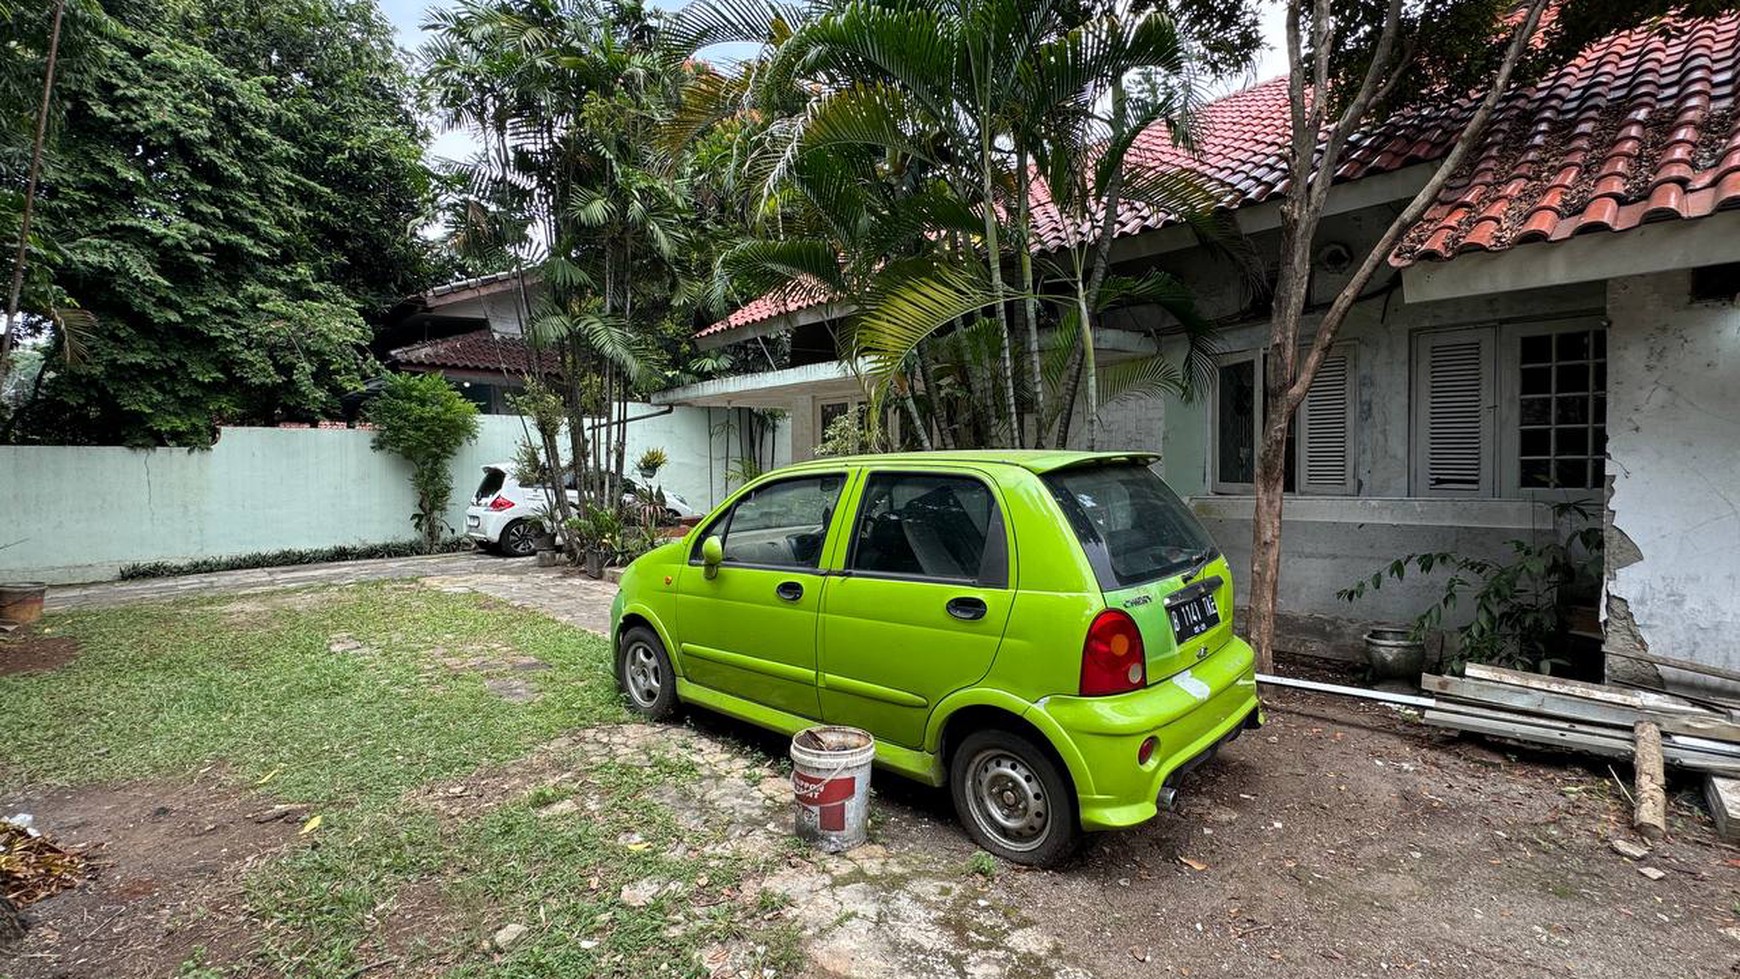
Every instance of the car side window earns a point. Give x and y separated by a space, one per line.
926 525
783 524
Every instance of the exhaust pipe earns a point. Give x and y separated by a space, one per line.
1168 799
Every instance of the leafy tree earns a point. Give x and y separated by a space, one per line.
420 418
1349 66
230 189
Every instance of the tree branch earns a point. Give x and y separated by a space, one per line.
1379 253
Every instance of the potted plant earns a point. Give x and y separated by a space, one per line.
650 462
598 536
1520 606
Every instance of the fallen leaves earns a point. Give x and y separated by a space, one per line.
310 826
1196 865
32 867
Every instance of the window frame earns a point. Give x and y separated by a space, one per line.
997 532
1257 357
1216 484
1502 448
1508 378
720 525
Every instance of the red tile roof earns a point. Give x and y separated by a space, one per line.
479 350
790 298
1642 126
1639 127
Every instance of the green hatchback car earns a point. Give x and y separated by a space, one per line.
1049 634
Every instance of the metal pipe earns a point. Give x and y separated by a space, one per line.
667 409
1406 700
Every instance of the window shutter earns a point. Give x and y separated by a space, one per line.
1326 429
1453 417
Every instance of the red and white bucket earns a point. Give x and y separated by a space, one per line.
830 778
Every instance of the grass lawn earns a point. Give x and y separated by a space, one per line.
366 706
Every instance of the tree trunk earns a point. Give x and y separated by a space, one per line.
14 297
994 256
930 392
1265 577
1090 377
1029 303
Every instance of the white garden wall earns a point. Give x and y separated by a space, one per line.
79 513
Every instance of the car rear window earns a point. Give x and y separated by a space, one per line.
491 485
1131 525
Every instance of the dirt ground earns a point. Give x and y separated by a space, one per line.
1340 840
1343 839
167 862
29 651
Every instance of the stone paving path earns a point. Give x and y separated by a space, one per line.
268 579
563 594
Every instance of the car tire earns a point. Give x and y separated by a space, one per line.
644 674
1014 798
518 539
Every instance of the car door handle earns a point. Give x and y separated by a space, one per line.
790 591
966 609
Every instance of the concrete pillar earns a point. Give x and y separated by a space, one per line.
803 427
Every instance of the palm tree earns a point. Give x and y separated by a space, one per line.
874 114
571 97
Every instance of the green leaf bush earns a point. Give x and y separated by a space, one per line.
420 418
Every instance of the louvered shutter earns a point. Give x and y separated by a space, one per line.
1453 422
1326 428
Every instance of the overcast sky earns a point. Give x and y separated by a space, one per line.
407 16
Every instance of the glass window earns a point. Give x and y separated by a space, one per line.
930 526
1561 438
1236 423
781 525
493 479
1130 523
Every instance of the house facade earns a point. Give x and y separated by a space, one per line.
1558 331
473 333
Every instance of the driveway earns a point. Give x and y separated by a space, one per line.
1343 839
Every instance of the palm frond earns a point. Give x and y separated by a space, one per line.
909 303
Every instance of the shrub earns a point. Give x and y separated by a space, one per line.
423 420
279 559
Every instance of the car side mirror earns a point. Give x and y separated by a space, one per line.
712 553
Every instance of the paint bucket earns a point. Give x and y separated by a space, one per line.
21 601
830 779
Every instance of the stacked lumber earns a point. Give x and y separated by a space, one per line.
1585 717
1650 729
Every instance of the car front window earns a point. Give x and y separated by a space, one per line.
782 524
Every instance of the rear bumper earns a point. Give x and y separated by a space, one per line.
1191 714
487 530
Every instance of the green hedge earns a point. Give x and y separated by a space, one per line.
274 559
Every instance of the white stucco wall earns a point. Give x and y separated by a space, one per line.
79 513
1330 542
1674 461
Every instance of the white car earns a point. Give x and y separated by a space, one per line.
502 513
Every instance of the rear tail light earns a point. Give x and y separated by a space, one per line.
501 503
1112 658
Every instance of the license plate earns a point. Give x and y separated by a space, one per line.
1193 616
472 520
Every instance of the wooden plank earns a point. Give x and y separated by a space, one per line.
1636 699
1723 796
1576 708
1650 815
1676 663
1602 746
1602 742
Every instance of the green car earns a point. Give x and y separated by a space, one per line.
1049 634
